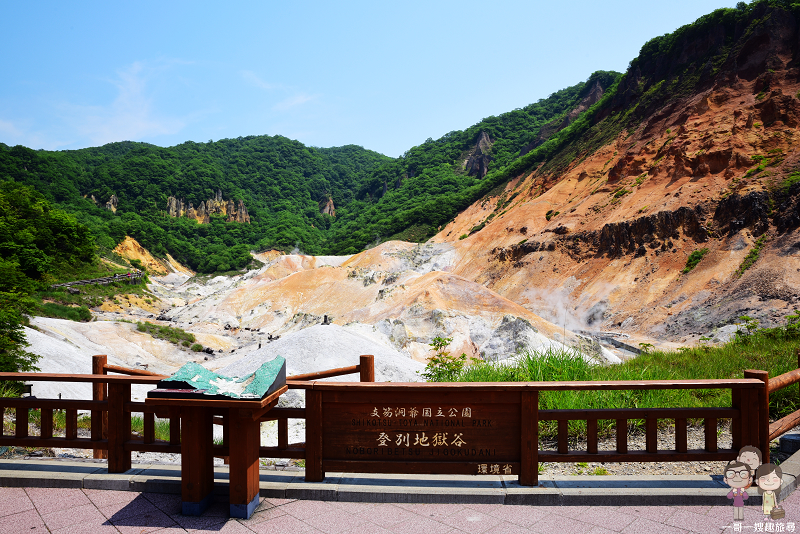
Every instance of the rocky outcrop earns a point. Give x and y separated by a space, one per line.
175 207
749 211
592 97
653 232
477 163
234 211
112 203
326 206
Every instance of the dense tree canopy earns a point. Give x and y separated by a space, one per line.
37 241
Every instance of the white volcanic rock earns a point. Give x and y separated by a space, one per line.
71 354
322 347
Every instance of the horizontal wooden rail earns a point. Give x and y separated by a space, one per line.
300 384
588 385
133 372
327 374
94 379
784 425
638 413
786 379
284 413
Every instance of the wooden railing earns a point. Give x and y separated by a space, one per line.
790 421
104 281
111 410
512 436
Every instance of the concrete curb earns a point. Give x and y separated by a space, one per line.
554 491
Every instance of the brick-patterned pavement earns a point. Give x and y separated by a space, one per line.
74 511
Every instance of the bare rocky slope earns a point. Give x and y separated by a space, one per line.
602 238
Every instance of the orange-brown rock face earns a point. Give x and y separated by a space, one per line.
603 244
130 249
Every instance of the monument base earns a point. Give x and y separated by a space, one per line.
244 511
196 508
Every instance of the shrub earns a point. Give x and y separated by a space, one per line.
173 335
550 214
693 259
790 180
60 311
442 367
752 256
197 347
621 192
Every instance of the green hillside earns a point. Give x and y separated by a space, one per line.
281 182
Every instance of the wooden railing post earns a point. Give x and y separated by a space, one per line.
314 469
119 427
99 417
736 423
529 461
761 432
367 368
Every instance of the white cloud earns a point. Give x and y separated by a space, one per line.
131 116
294 101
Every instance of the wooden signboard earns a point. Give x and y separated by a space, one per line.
419 431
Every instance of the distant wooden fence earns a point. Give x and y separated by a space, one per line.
478 428
131 278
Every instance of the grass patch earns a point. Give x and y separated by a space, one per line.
550 214
621 192
60 311
415 233
10 389
693 259
161 427
752 256
789 181
770 349
173 335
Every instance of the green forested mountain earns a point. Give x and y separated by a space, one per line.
282 183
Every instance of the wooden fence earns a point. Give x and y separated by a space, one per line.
132 278
478 428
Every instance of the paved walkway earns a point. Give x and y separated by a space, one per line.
74 511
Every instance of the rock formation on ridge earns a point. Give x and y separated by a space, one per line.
235 212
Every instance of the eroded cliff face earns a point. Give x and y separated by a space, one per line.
326 207
592 97
234 211
602 243
477 162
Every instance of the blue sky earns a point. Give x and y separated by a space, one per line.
383 75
